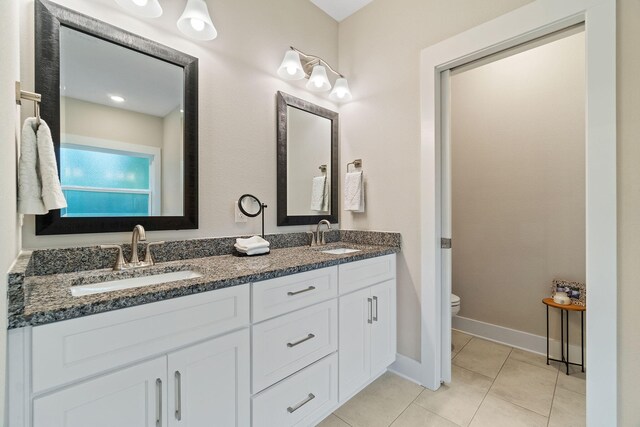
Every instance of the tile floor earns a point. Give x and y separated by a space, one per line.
492 385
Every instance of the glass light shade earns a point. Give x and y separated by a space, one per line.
291 68
318 82
195 21
341 92
143 8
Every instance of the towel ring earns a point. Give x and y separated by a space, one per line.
357 164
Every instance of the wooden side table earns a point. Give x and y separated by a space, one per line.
564 330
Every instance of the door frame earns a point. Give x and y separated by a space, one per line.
529 22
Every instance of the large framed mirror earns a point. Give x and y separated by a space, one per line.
123 113
307 162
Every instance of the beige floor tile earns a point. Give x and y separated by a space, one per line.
533 359
496 412
459 400
332 421
380 403
576 382
459 340
483 357
416 416
525 385
569 409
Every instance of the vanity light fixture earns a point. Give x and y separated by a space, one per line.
143 8
195 21
297 65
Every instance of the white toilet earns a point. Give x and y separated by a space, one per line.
455 304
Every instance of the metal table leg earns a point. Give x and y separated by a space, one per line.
582 337
547 334
567 326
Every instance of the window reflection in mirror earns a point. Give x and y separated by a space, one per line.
121 135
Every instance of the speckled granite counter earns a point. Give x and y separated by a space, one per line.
36 299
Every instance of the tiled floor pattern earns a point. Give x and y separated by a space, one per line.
492 385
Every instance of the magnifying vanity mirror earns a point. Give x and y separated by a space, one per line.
123 114
307 162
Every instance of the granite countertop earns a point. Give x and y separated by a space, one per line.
47 298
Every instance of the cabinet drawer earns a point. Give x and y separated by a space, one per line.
73 349
286 344
300 399
284 294
360 274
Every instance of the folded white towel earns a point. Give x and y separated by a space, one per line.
255 242
257 251
354 192
39 189
319 194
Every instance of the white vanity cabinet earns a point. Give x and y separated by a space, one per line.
128 397
367 331
280 352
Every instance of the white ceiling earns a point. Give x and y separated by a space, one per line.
340 9
92 69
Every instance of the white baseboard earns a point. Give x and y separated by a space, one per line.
407 368
514 338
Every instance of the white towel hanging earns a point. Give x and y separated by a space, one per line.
319 198
39 189
354 192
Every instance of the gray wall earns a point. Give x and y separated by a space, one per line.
518 177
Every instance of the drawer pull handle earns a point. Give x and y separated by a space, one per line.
369 302
375 311
178 378
293 344
310 288
158 402
292 409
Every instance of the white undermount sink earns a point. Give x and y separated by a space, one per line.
340 251
132 282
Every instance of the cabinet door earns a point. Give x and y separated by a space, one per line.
354 342
209 383
383 328
131 397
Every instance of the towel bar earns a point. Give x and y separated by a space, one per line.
357 163
29 96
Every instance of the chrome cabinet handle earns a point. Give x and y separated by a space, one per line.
369 301
293 344
178 378
375 316
158 402
292 409
310 288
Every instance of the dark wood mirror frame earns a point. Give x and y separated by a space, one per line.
284 100
49 17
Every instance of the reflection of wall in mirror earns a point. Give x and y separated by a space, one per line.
308 147
103 122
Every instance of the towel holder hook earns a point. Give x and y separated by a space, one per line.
357 163
29 96
323 168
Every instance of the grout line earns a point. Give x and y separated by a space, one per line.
399 415
553 398
344 421
493 380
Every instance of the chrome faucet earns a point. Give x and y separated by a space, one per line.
316 240
138 235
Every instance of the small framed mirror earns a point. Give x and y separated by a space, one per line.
123 113
307 162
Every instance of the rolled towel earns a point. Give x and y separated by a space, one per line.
255 242
319 199
354 192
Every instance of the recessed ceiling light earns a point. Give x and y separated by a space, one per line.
116 98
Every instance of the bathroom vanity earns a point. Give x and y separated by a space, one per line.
278 340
